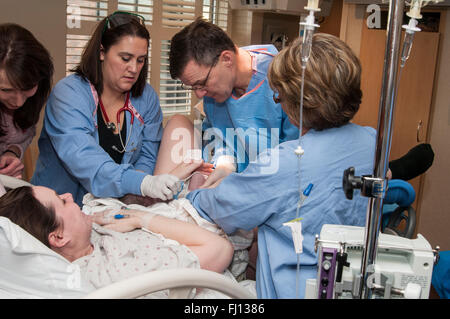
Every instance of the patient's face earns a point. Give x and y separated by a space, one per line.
75 221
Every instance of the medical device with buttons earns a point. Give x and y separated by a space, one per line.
403 267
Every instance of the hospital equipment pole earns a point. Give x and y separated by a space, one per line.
383 142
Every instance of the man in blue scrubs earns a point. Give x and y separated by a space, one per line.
242 119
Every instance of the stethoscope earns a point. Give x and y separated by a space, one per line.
111 126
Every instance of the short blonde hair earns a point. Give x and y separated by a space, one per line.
332 93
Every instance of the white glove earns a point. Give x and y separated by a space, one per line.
162 186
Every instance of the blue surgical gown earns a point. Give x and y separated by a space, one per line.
245 126
265 195
441 275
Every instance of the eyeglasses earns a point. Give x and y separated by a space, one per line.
276 97
119 18
202 84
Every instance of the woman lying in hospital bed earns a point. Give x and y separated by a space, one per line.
106 249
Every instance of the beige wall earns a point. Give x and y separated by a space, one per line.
241 27
46 19
434 200
255 27
434 207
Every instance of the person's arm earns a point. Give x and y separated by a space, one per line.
214 252
187 169
11 158
184 171
245 200
26 137
224 163
10 164
222 151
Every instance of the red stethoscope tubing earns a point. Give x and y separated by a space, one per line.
123 109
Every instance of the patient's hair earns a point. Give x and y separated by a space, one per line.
23 209
332 93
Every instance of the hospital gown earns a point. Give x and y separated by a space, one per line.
118 256
265 195
137 252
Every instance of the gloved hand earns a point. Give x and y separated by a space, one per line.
162 186
225 165
216 177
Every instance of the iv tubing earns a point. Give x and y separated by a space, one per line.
305 53
410 28
300 199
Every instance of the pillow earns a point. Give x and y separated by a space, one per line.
29 269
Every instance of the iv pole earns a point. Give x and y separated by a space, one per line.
383 142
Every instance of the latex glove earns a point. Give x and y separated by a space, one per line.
185 169
11 165
162 186
216 177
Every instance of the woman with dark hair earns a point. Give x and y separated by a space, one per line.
106 249
26 71
103 124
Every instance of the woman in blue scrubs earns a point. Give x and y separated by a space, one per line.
103 124
265 195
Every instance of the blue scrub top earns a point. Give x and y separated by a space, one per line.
70 157
246 126
265 195
441 275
